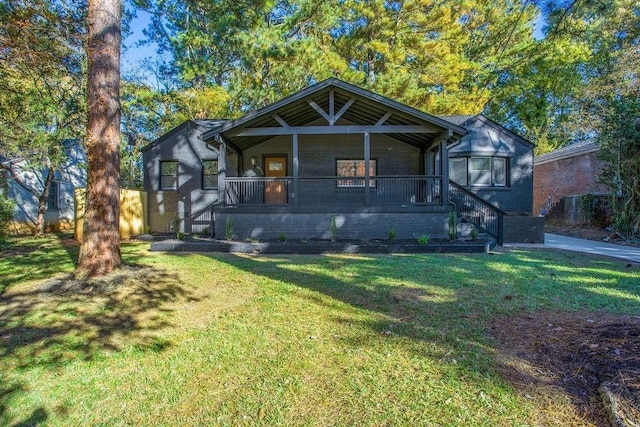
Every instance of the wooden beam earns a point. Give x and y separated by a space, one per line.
333 130
280 120
344 109
443 136
332 108
367 165
383 118
296 165
320 111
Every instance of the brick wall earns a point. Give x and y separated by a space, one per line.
567 176
353 225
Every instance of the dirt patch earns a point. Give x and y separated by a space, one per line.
589 361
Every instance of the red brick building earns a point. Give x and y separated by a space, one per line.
568 171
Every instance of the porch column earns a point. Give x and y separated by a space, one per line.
444 171
367 163
296 162
222 170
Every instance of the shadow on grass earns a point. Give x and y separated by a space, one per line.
35 258
7 394
445 304
64 319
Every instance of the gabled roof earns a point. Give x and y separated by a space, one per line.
353 104
202 124
465 121
575 149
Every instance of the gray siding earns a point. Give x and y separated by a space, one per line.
190 202
485 138
71 175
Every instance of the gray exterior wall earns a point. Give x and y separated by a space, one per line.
488 139
350 225
71 175
190 202
318 153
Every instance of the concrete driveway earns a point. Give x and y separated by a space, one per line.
628 253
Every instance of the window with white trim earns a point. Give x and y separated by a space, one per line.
169 175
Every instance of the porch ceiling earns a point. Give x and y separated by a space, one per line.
335 107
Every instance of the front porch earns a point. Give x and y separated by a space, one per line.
377 191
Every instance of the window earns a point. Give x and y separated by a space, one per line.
169 175
479 171
52 200
458 170
210 174
354 168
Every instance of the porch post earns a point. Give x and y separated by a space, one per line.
444 171
222 171
296 162
367 163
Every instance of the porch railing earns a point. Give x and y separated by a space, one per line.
318 191
474 210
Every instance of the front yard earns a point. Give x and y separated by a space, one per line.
222 339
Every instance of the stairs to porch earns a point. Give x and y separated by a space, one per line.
472 209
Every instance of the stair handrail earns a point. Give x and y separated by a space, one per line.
484 215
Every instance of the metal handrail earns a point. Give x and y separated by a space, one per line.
475 210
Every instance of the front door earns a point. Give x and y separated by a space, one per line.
275 192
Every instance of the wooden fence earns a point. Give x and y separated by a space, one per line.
133 213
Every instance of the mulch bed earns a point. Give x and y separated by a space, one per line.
592 358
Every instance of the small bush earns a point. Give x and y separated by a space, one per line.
333 228
474 233
228 228
424 239
180 235
7 207
392 234
453 226
282 237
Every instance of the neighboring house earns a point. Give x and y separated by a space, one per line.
330 157
60 204
568 171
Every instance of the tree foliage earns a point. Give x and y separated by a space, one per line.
41 90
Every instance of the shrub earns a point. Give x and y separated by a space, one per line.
7 207
474 233
228 228
333 228
424 239
392 234
453 226
282 237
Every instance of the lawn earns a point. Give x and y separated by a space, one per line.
222 339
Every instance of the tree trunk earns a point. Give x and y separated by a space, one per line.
100 250
42 202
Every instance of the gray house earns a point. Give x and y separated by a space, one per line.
332 156
60 204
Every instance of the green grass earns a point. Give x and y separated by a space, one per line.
219 339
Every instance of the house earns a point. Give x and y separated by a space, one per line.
60 203
332 159
562 176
